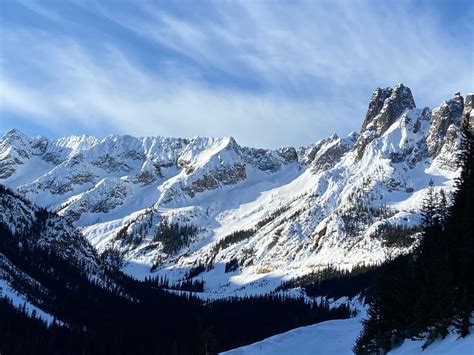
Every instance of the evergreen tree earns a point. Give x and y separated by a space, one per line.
429 208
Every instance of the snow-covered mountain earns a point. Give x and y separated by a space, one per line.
243 219
26 229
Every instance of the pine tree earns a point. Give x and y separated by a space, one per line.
442 208
429 207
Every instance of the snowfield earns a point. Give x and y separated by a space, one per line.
451 345
336 337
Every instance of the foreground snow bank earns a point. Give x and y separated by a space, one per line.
338 337
451 345
331 337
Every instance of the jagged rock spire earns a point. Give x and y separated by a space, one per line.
385 107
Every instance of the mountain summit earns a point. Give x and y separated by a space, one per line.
385 107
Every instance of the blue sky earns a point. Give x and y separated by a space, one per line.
269 73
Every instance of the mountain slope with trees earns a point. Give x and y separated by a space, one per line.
428 293
99 310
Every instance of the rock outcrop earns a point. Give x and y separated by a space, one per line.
448 113
385 106
468 112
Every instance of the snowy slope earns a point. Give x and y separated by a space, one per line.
18 299
301 209
338 336
31 229
451 345
46 231
334 337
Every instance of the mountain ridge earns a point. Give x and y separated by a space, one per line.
301 209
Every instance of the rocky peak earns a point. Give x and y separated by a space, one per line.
456 105
385 107
13 133
375 105
448 113
16 137
15 147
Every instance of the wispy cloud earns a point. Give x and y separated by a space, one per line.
345 44
268 73
125 98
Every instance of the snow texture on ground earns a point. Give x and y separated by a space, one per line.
338 336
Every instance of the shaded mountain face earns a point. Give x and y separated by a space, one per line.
40 250
244 218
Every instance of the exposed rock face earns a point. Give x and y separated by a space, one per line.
148 176
331 150
448 113
288 153
220 177
111 164
385 106
7 167
13 150
308 154
376 104
468 113
267 159
104 197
